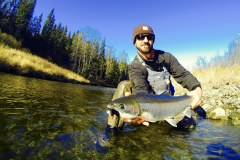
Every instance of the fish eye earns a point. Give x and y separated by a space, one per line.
121 106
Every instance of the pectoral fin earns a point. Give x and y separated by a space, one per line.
187 112
171 121
148 117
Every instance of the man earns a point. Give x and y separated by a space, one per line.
150 73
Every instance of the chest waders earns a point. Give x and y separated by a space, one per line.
159 80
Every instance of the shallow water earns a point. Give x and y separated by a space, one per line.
50 120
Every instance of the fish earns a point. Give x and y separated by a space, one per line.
151 107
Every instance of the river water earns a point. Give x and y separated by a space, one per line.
51 120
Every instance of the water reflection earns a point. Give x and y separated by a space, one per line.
50 120
44 118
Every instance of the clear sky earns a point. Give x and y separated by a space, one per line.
185 28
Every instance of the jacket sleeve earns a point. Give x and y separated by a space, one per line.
180 74
138 75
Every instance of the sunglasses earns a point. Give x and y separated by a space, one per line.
142 36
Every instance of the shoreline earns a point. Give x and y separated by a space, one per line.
41 75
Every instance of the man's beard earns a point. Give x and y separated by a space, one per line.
146 49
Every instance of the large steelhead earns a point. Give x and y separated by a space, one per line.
151 107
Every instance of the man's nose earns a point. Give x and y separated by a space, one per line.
145 39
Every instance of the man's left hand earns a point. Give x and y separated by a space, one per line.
136 121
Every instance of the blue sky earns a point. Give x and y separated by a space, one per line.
185 28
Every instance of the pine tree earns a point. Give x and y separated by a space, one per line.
23 17
48 26
35 26
112 70
63 40
55 36
69 43
123 66
76 54
8 11
94 61
102 61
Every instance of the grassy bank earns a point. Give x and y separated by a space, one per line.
217 75
24 63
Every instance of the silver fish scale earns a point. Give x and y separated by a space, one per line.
162 106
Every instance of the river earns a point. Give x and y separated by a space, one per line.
43 119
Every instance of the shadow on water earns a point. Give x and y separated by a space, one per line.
50 120
217 150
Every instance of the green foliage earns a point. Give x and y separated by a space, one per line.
8 13
112 70
35 26
102 61
76 54
10 41
48 26
23 17
84 52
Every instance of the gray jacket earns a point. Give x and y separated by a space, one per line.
138 73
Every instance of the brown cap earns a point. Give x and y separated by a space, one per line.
142 29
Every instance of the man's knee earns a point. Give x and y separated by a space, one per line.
123 87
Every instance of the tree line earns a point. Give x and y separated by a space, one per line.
87 56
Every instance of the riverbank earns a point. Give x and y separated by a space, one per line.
22 62
221 92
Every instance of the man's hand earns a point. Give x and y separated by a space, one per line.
136 121
127 94
196 96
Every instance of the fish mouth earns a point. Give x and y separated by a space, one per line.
113 112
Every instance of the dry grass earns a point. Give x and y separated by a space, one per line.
25 61
213 76
219 75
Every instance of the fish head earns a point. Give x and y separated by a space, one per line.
127 107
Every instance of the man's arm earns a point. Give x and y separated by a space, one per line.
180 74
186 79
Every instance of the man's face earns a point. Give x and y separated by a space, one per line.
144 43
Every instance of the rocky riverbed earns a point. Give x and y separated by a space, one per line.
222 102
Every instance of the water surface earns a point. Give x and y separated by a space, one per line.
51 120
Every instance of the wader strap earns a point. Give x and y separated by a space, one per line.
143 63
